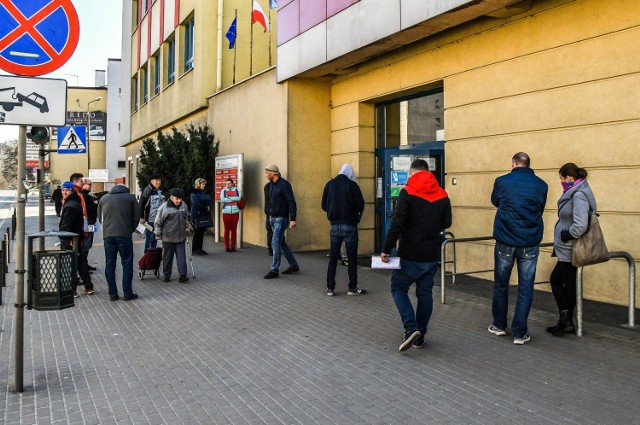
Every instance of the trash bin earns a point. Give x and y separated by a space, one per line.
51 274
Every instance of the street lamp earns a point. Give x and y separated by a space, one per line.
97 99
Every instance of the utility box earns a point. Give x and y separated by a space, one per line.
51 274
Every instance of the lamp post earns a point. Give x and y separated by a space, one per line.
97 99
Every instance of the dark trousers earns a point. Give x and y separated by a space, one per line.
112 247
169 249
198 238
563 285
83 266
58 208
349 235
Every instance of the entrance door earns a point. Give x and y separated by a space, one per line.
392 175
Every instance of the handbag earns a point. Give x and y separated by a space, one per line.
204 222
590 248
242 203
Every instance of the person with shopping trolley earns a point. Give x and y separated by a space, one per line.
170 227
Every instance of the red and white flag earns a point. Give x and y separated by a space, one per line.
258 15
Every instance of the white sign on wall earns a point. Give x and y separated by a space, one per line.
98 175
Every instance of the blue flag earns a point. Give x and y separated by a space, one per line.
273 4
231 34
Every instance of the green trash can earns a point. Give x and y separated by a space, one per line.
51 274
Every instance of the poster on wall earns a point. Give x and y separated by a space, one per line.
228 167
98 130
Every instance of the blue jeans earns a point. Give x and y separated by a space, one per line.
422 274
348 234
112 246
279 226
150 240
527 259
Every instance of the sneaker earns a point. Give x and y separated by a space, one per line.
409 339
271 275
329 292
291 270
167 279
418 343
344 262
183 279
521 341
88 292
75 294
130 297
114 298
496 330
357 291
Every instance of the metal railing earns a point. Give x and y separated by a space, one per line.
579 275
632 290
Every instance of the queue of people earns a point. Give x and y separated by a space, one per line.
422 212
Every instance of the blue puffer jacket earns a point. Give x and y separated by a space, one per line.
520 197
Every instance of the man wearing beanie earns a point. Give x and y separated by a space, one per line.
150 200
119 215
282 215
171 229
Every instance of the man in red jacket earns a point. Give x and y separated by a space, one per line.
423 210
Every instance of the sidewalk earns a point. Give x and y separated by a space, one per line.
232 348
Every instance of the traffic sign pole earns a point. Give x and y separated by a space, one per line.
18 324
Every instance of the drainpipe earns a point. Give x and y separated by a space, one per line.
219 62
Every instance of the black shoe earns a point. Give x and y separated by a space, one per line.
357 291
418 343
228 249
271 275
183 279
130 297
91 268
564 325
203 252
197 252
409 339
270 252
291 270
115 298
233 250
167 279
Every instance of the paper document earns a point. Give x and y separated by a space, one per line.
140 229
376 263
148 227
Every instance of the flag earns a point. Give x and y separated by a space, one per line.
258 15
273 4
231 34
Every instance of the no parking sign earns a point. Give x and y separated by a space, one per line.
37 36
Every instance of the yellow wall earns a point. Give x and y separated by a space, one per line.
62 166
560 83
283 124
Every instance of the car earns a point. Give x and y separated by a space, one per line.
96 130
34 99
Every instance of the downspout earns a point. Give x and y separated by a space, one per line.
219 61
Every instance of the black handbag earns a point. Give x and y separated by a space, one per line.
204 222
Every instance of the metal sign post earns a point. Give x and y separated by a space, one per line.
18 324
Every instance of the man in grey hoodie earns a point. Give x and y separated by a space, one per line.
119 213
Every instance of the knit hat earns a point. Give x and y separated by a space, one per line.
68 185
177 192
272 168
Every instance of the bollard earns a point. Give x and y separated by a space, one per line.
7 247
13 225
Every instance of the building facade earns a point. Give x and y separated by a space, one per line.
463 84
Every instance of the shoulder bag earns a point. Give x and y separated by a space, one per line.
590 248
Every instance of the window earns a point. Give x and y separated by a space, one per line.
145 6
134 14
122 164
189 39
145 84
171 60
134 93
156 74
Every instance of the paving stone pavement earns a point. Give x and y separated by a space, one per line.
232 348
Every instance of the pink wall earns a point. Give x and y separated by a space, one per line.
298 16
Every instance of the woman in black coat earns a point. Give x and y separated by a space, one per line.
200 215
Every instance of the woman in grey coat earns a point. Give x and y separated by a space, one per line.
574 207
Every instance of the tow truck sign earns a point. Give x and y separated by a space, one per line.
33 101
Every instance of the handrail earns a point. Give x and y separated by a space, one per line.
443 255
632 290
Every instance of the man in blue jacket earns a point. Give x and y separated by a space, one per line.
520 197
343 202
282 215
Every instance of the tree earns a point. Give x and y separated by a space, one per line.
9 159
179 158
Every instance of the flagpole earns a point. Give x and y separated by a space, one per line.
270 35
251 43
235 48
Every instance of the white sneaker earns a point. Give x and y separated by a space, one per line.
496 330
521 341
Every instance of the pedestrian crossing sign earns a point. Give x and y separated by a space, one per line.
72 139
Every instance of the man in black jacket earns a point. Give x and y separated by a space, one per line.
72 220
282 215
343 202
423 210
56 197
92 214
